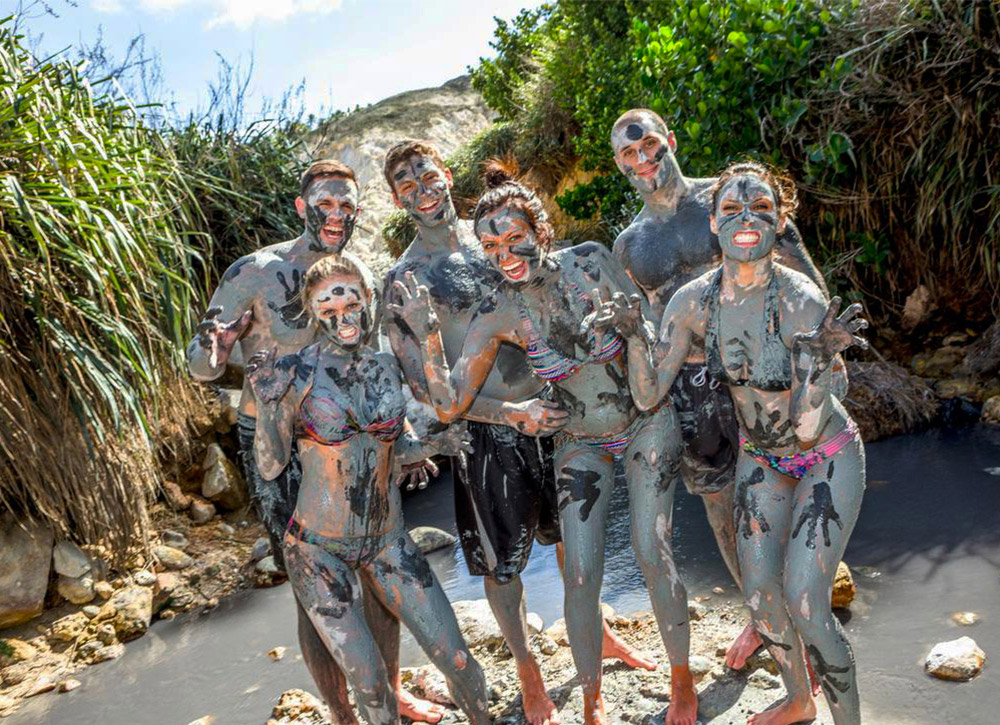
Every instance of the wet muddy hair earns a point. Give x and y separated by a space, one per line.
325 167
502 190
405 149
336 265
779 181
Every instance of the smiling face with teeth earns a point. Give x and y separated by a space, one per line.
340 306
643 148
329 207
509 242
746 218
421 187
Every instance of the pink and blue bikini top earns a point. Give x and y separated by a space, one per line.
324 421
548 364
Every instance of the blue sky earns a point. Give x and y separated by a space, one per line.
348 51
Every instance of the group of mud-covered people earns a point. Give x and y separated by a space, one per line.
703 348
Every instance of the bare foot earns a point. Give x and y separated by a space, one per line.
683 708
538 707
593 710
417 709
614 648
786 713
743 647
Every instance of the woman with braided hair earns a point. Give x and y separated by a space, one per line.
541 307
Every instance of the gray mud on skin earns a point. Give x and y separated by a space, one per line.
929 527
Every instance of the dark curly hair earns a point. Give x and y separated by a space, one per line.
502 190
779 181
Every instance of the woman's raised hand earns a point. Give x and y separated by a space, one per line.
833 334
268 382
415 306
621 313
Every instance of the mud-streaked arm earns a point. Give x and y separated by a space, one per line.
279 387
652 370
812 354
227 319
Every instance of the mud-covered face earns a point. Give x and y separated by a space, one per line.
340 306
330 210
510 243
421 187
746 218
642 152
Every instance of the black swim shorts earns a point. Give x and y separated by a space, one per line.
504 500
709 428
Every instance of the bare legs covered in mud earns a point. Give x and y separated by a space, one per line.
585 478
328 591
791 536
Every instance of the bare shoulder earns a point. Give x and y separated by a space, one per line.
802 301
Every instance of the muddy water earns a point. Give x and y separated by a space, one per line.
927 545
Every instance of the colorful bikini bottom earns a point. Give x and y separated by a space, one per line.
797 465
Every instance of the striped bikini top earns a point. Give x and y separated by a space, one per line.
315 414
548 364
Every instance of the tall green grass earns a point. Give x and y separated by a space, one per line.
112 232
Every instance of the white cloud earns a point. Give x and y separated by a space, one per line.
106 6
162 5
243 13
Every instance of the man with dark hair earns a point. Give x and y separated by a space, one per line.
669 244
258 304
504 491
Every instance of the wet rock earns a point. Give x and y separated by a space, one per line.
68 628
965 619
261 548
696 611
222 483
201 511
69 560
103 589
25 560
77 591
478 625
91 611
130 611
763 661
86 650
429 538
174 539
546 645
69 685
939 363
534 622
431 682
918 305
267 573
172 559
700 667
277 653
166 585
106 634
108 653
144 578
991 411
298 706
229 407
45 683
843 587
175 497
13 651
557 632
6 704
956 388
959 660
764 680
719 590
